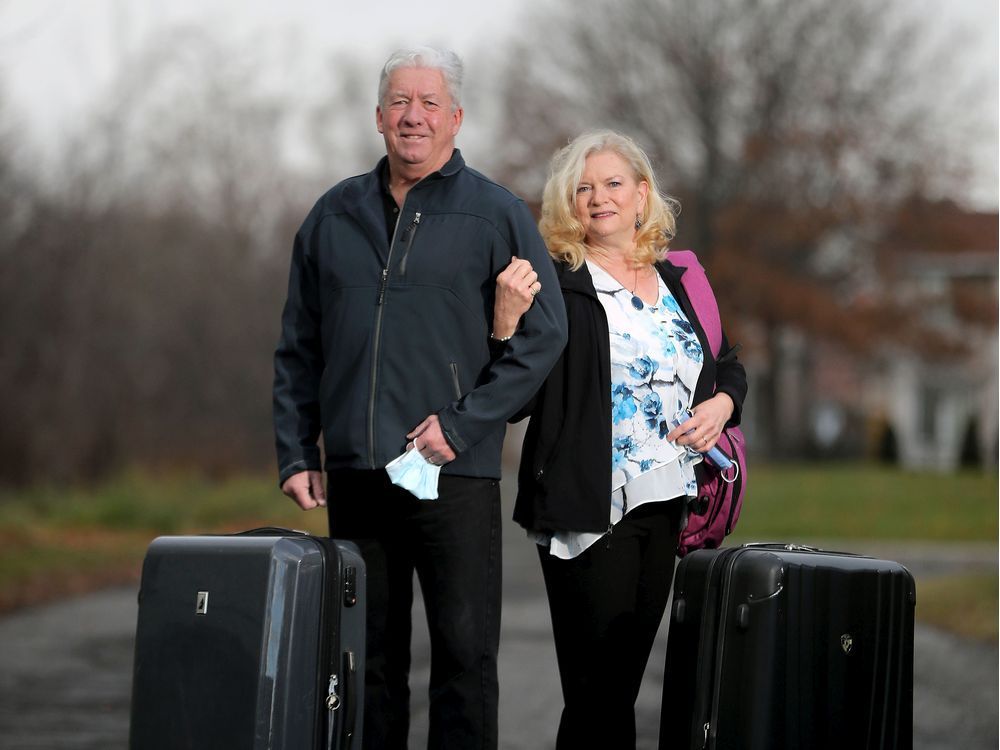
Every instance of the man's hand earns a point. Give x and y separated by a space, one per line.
428 438
306 489
517 286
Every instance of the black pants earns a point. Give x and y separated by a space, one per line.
606 607
453 544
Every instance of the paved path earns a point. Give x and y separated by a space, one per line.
65 668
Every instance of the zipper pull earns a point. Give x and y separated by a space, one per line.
332 699
704 744
408 238
411 228
382 285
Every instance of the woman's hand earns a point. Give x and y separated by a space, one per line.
517 286
703 429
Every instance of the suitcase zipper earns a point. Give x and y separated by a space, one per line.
332 699
329 655
714 618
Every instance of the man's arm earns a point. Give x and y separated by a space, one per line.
514 376
298 366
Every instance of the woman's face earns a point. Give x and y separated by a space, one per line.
608 199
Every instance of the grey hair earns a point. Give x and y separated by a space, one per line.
444 60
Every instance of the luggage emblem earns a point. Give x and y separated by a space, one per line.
847 643
201 606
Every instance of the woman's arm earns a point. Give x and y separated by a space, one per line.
516 288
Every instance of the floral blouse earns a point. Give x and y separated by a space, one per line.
656 359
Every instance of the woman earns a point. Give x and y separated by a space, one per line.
604 475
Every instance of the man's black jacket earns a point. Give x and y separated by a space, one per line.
377 336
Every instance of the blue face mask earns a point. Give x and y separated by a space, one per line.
414 473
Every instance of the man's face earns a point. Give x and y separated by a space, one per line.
417 121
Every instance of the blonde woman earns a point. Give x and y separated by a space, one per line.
604 475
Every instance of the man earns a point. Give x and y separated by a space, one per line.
386 347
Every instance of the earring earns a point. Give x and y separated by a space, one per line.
638 222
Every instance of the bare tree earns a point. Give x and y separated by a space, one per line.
141 299
787 128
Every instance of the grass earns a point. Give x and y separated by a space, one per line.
866 502
165 505
58 541
965 604
55 542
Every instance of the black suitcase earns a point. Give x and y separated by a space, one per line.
782 647
249 641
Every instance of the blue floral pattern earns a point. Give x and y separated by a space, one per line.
655 362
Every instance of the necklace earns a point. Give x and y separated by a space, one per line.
636 299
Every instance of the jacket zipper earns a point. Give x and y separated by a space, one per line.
377 340
454 379
408 234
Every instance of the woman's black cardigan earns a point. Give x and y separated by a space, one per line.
564 481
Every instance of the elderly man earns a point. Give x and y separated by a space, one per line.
387 346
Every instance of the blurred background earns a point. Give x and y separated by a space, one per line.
837 164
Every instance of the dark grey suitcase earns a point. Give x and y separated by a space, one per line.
249 641
783 647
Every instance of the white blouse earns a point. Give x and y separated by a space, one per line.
656 359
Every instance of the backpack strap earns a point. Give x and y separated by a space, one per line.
699 291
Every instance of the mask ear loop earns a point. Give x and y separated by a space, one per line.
736 473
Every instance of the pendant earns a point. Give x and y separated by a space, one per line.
636 302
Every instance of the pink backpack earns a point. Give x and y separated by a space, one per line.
720 497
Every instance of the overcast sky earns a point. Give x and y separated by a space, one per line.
57 56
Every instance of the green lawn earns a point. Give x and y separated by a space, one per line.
57 541
866 502
964 604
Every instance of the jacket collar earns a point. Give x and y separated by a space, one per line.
579 281
671 274
369 187
451 167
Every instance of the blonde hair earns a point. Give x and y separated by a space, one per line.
561 229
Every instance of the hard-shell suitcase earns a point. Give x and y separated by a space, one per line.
249 641
780 647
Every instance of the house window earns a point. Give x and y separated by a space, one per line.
930 404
